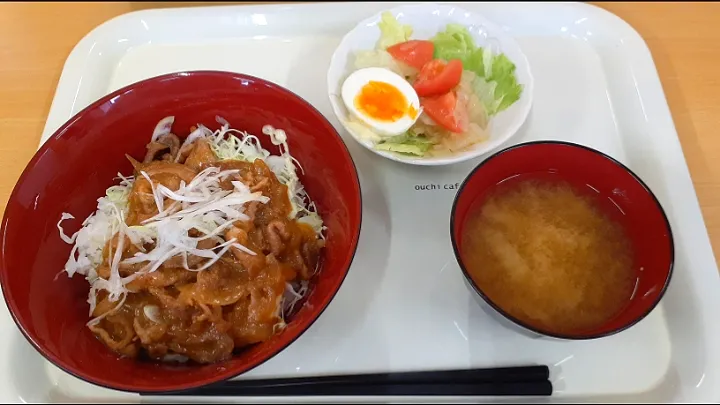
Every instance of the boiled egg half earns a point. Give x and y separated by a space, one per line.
382 100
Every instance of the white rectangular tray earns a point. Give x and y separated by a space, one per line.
404 305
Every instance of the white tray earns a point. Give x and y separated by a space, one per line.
404 305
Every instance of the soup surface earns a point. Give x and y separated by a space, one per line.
549 255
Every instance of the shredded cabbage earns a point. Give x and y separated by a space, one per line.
97 229
293 294
227 145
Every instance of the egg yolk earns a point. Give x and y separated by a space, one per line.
383 102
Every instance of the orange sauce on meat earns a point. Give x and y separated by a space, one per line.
208 315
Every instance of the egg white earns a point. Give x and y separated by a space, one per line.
358 79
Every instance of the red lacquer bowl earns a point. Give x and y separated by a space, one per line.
643 220
82 159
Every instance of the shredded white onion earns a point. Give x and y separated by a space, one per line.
152 312
162 128
222 121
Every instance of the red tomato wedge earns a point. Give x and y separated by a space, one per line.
415 52
438 77
446 112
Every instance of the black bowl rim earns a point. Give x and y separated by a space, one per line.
65 126
522 324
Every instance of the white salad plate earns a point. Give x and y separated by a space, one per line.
404 305
426 20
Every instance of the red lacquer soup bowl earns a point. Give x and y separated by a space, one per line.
617 191
73 169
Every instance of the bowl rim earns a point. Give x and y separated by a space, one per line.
490 145
168 388
524 325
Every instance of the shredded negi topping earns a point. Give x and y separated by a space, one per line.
213 238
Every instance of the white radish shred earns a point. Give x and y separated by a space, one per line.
201 205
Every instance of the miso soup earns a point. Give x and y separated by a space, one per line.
549 255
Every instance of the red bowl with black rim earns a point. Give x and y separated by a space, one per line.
634 207
76 165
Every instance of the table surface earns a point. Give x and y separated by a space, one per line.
36 38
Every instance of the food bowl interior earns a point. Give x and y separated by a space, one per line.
620 194
427 20
73 169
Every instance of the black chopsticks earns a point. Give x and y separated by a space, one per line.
507 381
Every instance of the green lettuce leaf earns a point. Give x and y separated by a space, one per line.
500 71
474 62
496 84
453 43
486 91
391 31
409 144
508 90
